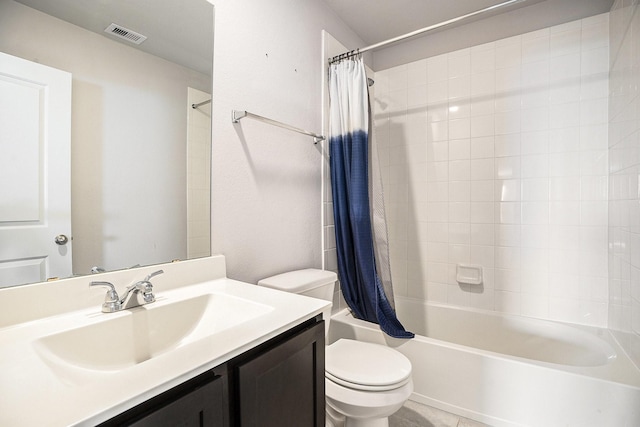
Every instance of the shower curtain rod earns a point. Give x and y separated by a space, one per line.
418 32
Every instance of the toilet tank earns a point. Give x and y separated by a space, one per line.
310 282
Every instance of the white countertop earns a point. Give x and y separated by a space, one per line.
36 392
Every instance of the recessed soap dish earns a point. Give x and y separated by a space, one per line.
469 274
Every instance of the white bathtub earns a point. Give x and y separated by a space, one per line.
510 370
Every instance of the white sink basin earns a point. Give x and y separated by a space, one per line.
130 337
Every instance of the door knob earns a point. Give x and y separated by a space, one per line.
61 239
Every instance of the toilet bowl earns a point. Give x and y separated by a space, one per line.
365 382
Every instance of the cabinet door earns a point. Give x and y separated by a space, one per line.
202 407
284 385
199 402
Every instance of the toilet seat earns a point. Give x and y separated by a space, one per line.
366 366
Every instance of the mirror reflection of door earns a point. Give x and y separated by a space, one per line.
35 136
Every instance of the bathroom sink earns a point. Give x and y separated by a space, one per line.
130 337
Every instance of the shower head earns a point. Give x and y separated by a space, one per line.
370 82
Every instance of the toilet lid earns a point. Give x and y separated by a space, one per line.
366 365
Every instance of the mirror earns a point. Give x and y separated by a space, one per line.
140 154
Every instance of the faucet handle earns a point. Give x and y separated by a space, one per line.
147 294
155 273
111 300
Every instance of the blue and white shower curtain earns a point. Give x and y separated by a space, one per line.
349 149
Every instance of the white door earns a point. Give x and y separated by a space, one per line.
35 144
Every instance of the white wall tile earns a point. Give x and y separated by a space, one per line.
534 165
535 76
508 302
483 234
564 188
459 170
508 80
482 106
564 139
459 129
483 83
507 145
483 58
534 50
564 213
482 126
416 73
507 100
459 64
482 169
593 188
459 191
438 131
535 189
564 115
437 68
417 96
437 93
535 213
570 66
508 213
595 34
594 111
437 112
564 164
535 119
482 213
482 147
595 61
508 190
594 137
593 162
593 213
565 42
437 191
564 237
459 212
459 87
482 190
507 167
459 108
508 53
505 159
508 122
534 236
397 78
437 171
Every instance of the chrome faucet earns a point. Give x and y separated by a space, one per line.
113 302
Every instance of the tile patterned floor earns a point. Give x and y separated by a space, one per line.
414 414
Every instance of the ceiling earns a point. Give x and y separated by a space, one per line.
174 32
378 20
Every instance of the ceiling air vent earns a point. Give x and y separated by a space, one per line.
124 33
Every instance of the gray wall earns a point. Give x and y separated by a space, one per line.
266 190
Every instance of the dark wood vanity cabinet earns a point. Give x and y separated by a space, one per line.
278 383
282 383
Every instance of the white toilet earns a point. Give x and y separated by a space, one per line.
365 382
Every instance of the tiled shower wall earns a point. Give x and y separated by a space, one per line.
496 155
624 178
